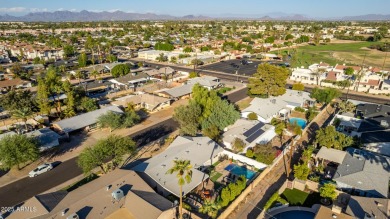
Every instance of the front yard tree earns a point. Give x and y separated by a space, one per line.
346 106
112 148
120 70
222 115
16 150
328 191
252 116
110 120
269 80
183 170
330 138
88 104
83 59
212 132
193 75
188 118
325 95
23 114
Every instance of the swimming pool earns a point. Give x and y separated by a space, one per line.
301 122
295 214
239 171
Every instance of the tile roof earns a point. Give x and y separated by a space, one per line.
332 76
379 208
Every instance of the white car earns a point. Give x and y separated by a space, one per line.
249 62
41 169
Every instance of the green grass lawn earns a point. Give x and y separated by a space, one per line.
298 198
215 176
307 55
295 196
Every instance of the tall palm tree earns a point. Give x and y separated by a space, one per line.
94 73
210 208
79 75
24 114
183 168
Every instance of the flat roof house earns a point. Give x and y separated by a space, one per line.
250 131
201 151
268 108
119 194
148 101
46 137
84 121
208 82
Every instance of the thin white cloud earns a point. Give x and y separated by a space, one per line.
38 9
113 10
14 9
73 10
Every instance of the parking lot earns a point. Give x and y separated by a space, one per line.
227 67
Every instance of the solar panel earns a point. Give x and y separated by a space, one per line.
255 135
253 129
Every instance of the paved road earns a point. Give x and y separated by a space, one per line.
25 188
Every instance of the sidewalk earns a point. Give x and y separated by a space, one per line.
69 150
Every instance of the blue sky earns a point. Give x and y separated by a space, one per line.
312 8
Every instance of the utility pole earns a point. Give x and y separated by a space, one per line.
360 73
384 61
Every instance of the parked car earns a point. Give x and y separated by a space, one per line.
249 62
41 169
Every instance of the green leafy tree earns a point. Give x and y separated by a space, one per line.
193 74
301 171
120 70
162 58
212 132
15 100
88 104
210 208
269 80
164 46
188 118
252 116
330 138
130 118
346 106
82 60
112 58
225 197
222 115
16 150
349 71
328 191
173 59
298 87
110 120
111 148
187 50
325 95
249 153
43 97
238 144
69 51
183 170
311 113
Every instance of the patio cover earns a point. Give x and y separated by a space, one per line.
331 154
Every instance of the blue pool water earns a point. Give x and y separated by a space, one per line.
299 121
239 171
295 214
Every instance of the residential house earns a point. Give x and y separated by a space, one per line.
303 75
280 106
181 92
130 80
200 151
46 137
208 82
366 207
359 171
328 213
149 102
7 85
119 194
250 132
87 121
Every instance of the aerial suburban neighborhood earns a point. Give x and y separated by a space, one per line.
207 109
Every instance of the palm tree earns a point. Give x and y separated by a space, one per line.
184 174
318 72
210 208
79 75
94 73
23 114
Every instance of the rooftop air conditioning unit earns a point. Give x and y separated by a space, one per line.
384 124
118 194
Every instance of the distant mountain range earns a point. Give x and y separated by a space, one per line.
84 15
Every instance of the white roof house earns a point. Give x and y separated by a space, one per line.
201 151
84 120
252 132
267 108
206 81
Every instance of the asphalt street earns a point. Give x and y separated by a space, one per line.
26 188
23 189
227 67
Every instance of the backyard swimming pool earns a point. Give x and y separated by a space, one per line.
301 122
295 214
239 171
